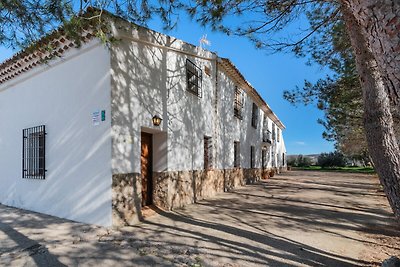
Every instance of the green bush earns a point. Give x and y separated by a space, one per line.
332 159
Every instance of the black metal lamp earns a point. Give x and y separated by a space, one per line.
156 120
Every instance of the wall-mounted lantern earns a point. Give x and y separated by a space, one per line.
156 120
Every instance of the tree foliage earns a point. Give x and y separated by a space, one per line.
22 22
338 96
332 159
300 161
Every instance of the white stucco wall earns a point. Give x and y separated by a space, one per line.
149 80
62 96
233 129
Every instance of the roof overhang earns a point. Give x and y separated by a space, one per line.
238 77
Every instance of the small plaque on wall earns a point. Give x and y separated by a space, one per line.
96 118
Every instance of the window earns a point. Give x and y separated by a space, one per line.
207 153
236 154
238 104
273 132
254 116
264 158
273 159
278 133
33 152
194 78
252 157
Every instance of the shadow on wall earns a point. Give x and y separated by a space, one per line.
146 81
77 184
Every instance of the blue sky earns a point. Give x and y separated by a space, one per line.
269 74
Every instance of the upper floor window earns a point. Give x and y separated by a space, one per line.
238 104
194 78
273 132
254 116
33 152
252 157
207 153
236 154
278 134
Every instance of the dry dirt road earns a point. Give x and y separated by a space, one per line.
294 219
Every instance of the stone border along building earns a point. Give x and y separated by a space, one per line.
96 134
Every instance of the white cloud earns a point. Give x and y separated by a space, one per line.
300 143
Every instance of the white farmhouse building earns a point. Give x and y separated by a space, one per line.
79 134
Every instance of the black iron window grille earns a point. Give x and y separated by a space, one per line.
252 157
273 133
254 116
267 136
208 152
238 104
236 154
194 77
34 152
278 134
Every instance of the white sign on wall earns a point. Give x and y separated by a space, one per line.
96 118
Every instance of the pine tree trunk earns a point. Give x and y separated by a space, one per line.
378 121
380 23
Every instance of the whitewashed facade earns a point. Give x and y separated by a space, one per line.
97 102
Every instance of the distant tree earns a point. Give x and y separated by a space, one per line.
291 161
332 159
303 161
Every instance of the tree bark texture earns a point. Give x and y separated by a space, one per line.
380 23
378 120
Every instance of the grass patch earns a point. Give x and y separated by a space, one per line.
368 170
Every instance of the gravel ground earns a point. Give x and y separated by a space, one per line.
294 219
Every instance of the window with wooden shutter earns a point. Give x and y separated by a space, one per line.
254 116
236 154
252 157
208 159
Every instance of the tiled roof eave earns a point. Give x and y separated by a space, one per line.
23 61
234 73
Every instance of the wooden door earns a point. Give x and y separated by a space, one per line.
146 169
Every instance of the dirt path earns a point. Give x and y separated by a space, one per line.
294 219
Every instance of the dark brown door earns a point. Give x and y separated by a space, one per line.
146 169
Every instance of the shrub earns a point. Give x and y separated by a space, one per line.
332 159
303 161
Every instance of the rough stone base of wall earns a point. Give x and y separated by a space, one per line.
177 189
173 190
234 178
126 199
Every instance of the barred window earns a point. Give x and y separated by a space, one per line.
236 154
252 157
254 117
238 104
273 132
34 152
194 77
278 134
207 153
